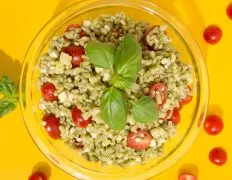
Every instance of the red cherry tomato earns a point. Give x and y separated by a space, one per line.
82 33
187 177
212 34
52 124
229 11
73 26
213 124
78 119
38 176
48 90
147 32
76 52
185 101
175 116
140 140
159 92
218 156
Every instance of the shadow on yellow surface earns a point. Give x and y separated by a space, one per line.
189 169
43 167
215 109
12 68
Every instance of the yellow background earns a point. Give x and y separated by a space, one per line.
20 20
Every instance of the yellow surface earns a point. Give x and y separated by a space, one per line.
21 20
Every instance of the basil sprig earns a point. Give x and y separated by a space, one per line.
10 96
125 62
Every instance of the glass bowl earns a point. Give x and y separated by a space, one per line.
192 115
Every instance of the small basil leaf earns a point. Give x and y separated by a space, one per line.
7 104
113 109
128 58
100 54
145 110
122 83
7 86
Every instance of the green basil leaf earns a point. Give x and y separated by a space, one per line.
7 104
121 82
10 100
101 54
7 86
113 108
128 58
145 110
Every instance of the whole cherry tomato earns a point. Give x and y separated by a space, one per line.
212 34
38 176
52 124
48 90
187 177
218 156
213 125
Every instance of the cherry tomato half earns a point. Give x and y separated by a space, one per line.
52 124
218 156
187 177
73 26
78 119
82 34
38 176
159 93
146 33
213 124
139 140
212 34
48 90
76 52
175 116
185 101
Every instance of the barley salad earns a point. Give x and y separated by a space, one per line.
112 89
